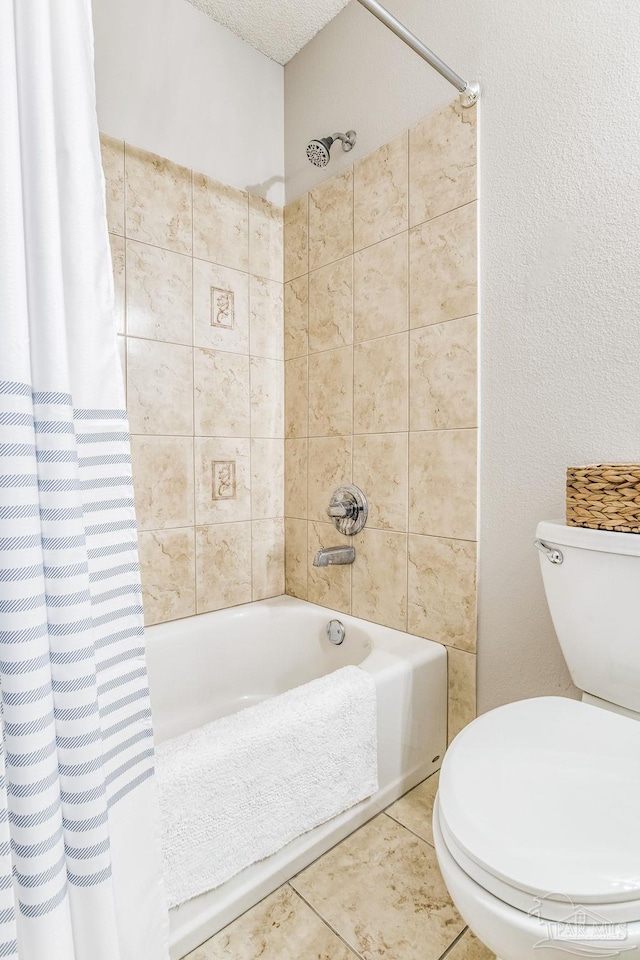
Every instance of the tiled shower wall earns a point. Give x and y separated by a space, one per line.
381 387
199 305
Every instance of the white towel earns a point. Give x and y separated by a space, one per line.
237 790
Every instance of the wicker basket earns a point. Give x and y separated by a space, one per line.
605 496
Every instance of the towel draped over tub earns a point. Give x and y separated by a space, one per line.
237 790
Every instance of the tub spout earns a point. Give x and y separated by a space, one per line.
327 556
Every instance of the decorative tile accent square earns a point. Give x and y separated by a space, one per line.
222 308
223 480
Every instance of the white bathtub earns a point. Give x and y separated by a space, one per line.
206 667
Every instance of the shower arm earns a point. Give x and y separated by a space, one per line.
469 92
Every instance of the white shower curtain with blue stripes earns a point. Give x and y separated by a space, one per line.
80 865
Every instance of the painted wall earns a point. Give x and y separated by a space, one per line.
381 388
174 82
199 312
560 235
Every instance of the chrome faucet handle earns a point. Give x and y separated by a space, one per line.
348 509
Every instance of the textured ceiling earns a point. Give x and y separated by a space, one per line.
278 29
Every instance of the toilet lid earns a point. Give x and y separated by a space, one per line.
544 795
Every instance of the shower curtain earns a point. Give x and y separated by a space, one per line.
80 866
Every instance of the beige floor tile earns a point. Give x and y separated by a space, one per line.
382 891
469 947
282 927
415 809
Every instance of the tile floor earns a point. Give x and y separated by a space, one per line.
378 894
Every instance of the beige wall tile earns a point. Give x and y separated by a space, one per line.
296 238
158 201
266 240
267 547
443 376
442 162
223 565
381 193
442 483
266 319
380 468
163 481
168 570
443 268
296 373
379 577
281 927
328 586
159 294
220 223
462 690
296 477
220 307
329 468
122 353
381 385
331 393
159 387
267 398
331 220
221 383
267 479
296 567
223 480
381 282
331 306
119 272
296 318
113 166
382 891
442 591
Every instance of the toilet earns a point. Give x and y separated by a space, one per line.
537 819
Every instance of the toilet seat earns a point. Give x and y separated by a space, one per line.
539 803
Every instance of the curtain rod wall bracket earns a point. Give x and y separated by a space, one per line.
469 92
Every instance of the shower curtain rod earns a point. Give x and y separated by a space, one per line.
469 92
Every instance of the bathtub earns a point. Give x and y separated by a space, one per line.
212 665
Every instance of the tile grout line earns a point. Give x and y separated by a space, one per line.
325 922
386 813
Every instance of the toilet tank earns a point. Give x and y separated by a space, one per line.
594 599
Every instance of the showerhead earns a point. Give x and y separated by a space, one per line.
319 151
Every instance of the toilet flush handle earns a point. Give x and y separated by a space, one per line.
552 554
